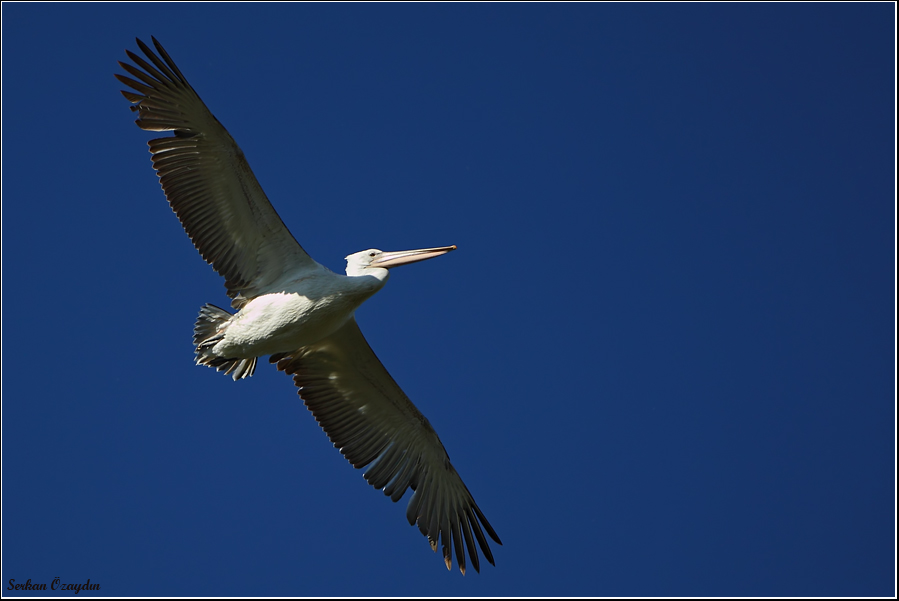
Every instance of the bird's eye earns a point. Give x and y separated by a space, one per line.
371 254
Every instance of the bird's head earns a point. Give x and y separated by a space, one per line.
372 260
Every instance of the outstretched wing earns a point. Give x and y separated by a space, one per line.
208 182
373 423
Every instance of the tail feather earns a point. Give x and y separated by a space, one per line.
208 330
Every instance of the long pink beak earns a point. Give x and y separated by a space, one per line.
404 257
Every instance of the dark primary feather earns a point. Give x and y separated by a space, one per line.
207 180
373 423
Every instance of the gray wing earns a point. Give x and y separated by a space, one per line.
208 182
373 423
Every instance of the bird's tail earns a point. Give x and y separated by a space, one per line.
207 332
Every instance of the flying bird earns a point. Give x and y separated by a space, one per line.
296 311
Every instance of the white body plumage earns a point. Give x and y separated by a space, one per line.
303 313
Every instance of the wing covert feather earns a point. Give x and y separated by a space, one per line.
373 423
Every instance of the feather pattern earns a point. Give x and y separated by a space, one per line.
209 183
373 423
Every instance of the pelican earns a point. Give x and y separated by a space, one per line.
296 311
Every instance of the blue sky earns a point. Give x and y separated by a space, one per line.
662 358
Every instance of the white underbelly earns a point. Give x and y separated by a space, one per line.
283 322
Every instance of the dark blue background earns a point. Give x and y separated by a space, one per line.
662 358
